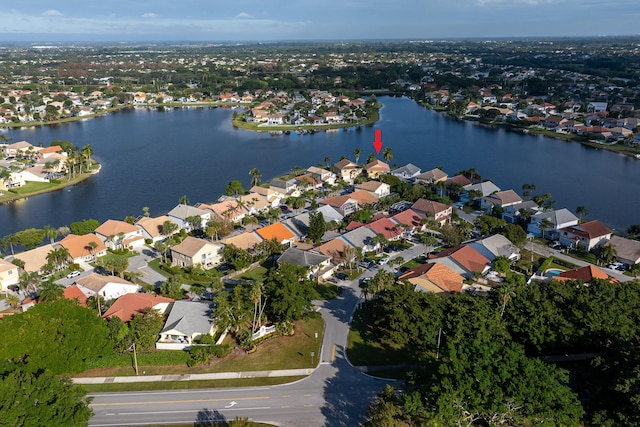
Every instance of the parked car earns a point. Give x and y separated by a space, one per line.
14 288
73 274
342 276
555 245
383 261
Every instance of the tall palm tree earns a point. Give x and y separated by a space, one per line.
92 246
255 176
387 154
50 233
50 291
356 154
582 212
183 200
87 152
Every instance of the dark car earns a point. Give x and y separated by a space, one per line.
342 276
13 288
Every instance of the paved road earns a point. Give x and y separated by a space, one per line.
336 394
139 263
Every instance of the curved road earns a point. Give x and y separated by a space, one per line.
336 394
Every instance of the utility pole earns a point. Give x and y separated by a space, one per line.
438 350
135 358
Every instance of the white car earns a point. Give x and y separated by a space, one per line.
73 274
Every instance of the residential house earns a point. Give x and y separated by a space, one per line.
193 251
128 305
120 234
278 232
483 189
470 260
309 182
519 211
228 209
253 203
8 274
16 148
406 172
377 168
363 197
347 170
387 227
362 237
181 212
288 186
335 249
343 204
187 321
432 176
299 224
627 250
497 246
84 248
588 235
439 212
74 292
36 258
47 152
272 196
409 219
376 188
325 175
108 287
433 277
246 241
584 274
458 179
316 264
500 199
556 219
152 227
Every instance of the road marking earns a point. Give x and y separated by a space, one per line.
333 353
285 407
166 402
308 406
307 395
231 404
286 395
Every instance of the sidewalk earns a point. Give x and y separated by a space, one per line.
194 377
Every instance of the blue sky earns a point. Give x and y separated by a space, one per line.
213 20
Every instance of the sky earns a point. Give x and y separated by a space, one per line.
273 20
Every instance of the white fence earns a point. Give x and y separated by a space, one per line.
263 331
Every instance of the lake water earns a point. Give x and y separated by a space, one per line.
151 158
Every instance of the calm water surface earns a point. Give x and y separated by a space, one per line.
152 158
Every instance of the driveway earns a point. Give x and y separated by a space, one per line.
140 264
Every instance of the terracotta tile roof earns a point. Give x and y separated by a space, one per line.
470 259
345 164
378 165
363 197
445 279
409 218
275 231
584 274
129 305
386 227
112 227
591 229
74 292
353 225
52 149
78 246
333 248
153 226
337 201
459 179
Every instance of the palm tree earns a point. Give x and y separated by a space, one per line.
13 301
169 227
327 160
387 154
92 246
356 154
87 152
371 158
545 225
608 253
59 257
428 241
28 281
255 176
50 291
183 200
50 232
582 212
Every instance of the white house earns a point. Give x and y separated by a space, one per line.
187 321
108 287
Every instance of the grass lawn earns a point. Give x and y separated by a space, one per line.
257 274
583 256
187 385
326 291
365 349
155 266
292 352
33 188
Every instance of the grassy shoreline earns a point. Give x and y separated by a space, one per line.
35 188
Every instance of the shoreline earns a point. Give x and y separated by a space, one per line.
613 148
9 197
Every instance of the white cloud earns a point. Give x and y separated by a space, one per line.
52 12
243 15
149 15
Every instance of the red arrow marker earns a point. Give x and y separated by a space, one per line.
377 144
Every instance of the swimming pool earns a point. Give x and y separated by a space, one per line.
553 272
